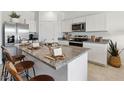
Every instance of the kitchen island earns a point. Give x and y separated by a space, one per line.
72 68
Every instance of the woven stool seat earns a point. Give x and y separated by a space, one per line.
42 78
24 65
18 57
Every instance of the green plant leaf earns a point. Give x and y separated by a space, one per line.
113 48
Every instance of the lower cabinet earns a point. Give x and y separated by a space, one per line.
63 42
97 53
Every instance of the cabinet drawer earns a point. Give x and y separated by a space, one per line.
64 42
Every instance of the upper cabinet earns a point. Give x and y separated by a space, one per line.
32 25
96 22
67 25
49 25
79 20
48 16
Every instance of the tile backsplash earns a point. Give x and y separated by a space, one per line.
103 34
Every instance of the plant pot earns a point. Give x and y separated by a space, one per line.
16 20
115 61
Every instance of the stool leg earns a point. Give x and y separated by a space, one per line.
33 71
6 75
26 72
3 70
11 78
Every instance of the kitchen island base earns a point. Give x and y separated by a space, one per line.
76 70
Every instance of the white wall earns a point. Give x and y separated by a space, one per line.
25 16
115 26
28 15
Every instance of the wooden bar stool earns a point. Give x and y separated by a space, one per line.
12 70
16 59
22 66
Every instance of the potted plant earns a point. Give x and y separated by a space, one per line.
114 59
14 17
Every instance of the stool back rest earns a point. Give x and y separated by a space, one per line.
12 70
3 48
3 56
8 56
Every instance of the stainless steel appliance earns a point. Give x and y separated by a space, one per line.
75 43
79 27
33 36
78 40
14 32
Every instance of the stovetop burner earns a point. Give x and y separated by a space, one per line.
80 40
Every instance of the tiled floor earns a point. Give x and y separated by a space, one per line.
108 73
99 73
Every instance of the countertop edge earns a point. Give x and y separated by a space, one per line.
57 66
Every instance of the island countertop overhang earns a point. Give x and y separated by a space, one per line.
70 52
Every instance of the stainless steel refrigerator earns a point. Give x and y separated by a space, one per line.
13 33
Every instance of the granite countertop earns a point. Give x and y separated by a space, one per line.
104 41
70 52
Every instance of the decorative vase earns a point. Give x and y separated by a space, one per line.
115 61
16 20
93 38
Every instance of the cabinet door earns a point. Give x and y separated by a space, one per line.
32 26
96 22
67 26
48 31
79 20
97 52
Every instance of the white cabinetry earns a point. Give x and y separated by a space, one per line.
63 42
48 31
96 22
79 20
49 26
48 16
67 25
97 52
32 25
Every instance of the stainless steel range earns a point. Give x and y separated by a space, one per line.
78 40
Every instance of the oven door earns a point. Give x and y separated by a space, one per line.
79 44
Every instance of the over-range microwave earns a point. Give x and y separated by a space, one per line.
81 27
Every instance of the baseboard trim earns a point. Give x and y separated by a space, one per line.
103 65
